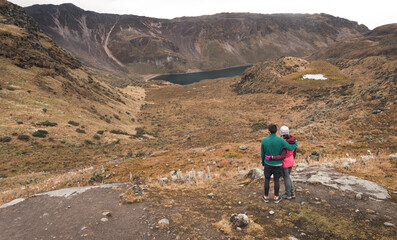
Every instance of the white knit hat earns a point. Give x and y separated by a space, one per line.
284 130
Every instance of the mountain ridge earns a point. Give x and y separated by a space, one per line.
149 45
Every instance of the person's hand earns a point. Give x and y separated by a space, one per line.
267 157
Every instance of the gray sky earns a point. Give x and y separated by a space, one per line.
372 13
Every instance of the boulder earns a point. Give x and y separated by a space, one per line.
239 220
255 173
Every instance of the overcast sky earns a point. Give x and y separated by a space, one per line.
372 13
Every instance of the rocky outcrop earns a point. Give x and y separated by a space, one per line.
264 77
23 42
328 176
149 45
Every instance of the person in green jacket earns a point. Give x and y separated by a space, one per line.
273 146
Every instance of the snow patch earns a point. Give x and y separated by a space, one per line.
314 77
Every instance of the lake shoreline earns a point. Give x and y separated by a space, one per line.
191 77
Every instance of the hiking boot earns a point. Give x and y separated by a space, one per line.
266 199
277 199
286 196
293 196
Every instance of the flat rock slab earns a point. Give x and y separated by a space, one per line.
328 176
74 213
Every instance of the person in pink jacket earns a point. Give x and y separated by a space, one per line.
288 158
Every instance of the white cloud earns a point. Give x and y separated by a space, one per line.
368 12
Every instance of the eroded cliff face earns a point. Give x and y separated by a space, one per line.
150 45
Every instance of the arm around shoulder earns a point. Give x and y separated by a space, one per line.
291 147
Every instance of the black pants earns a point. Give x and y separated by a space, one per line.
277 172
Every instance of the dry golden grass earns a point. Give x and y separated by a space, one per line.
320 67
225 225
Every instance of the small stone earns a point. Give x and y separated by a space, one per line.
317 199
238 229
303 203
271 212
292 238
359 196
388 224
243 147
346 165
104 219
357 210
230 207
163 180
240 203
211 195
303 234
83 228
222 230
299 189
107 214
164 222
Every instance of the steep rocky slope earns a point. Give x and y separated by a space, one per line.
149 45
47 96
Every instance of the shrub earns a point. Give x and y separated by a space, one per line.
96 137
96 177
259 126
79 130
140 154
100 132
139 132
47 124
40 133
24 137
5 139
119 132
73 123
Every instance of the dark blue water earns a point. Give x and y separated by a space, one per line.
189 78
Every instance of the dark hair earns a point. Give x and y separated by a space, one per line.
272 128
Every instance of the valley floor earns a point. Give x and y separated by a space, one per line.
196 127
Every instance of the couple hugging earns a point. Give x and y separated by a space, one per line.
278 154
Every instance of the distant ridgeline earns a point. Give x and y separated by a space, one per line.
148 45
